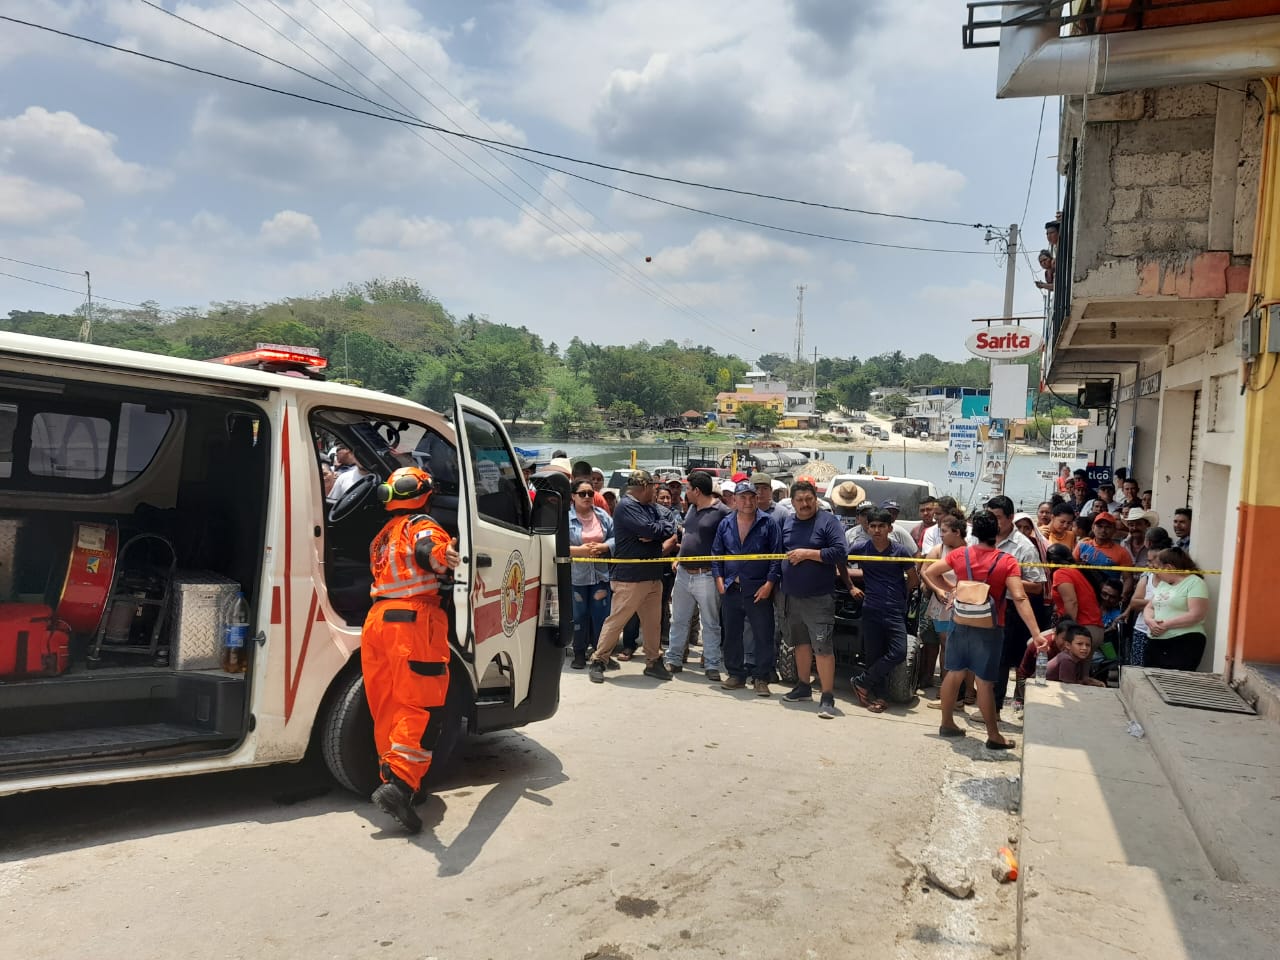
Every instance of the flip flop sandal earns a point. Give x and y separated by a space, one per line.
1007 745
863 695
624 656
877 706
950 732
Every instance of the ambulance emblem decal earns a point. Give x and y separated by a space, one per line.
512 598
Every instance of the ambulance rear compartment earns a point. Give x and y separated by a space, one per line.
128 514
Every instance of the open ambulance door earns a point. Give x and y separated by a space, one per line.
497 583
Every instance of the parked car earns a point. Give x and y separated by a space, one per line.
884 434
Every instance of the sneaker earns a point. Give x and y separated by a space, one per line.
733 683
762 688
657 669
801 691
713 676
827 706
675 667
595 671
396 800
579 661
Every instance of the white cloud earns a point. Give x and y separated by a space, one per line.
289 228
58 144
24 202
386 228
731 251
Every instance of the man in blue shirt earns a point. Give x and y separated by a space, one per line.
814 543
886 585
695 588
640 532
747 587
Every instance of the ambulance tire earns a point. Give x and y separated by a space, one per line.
346 734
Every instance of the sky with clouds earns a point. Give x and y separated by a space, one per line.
184 189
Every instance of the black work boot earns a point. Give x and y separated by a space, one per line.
396 799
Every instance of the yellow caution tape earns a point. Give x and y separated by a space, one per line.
855 558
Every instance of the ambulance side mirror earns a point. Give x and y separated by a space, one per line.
549 511
550 503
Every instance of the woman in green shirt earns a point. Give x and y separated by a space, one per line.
1175 613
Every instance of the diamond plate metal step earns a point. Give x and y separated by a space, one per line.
1204 691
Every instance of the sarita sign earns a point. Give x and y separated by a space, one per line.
1003 343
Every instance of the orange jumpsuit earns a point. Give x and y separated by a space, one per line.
404 651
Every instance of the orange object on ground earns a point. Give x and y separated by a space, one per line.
404 652
1006 868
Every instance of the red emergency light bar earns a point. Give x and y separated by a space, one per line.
270 355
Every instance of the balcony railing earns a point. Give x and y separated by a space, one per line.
1082 17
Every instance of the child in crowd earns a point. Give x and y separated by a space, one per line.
1072 664
1052 642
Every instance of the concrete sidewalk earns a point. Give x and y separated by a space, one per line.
1110 863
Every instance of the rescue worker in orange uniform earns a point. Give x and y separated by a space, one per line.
404 649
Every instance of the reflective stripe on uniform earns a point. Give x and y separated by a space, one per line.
413 753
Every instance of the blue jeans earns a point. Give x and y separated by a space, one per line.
884 646
690 590
740 607
591 604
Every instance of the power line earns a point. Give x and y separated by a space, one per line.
42 266
1035 158
79 293
266 88
511 196
663 294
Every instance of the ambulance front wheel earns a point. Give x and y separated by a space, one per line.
346 733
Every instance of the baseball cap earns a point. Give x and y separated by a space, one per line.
738 477
727 486
890 505
1104 517
761 479
640 478
866 506
744 486
597 472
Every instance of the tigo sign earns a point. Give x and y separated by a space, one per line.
1003 343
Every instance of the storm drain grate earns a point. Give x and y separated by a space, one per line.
1205 691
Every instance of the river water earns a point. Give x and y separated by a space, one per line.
1023 484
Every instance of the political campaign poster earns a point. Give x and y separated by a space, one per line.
962 451
1062 442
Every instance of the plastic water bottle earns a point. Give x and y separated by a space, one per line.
1042 668
235 632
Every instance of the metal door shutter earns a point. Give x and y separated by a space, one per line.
1193 467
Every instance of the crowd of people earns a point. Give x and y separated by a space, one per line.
747 604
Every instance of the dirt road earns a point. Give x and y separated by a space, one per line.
642 821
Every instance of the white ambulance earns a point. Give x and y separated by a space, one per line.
139 494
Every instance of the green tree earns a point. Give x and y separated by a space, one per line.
896 405
503 367
854 390
571 411
758 416
626 412
827 399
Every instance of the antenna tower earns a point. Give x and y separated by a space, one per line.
799 321
86 325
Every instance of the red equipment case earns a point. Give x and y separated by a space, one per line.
32 642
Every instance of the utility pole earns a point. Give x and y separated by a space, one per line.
799 322
815 373
1010 275
86 326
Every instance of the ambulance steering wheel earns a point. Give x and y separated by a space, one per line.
354 498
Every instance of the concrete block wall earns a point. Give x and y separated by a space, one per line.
1164 176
